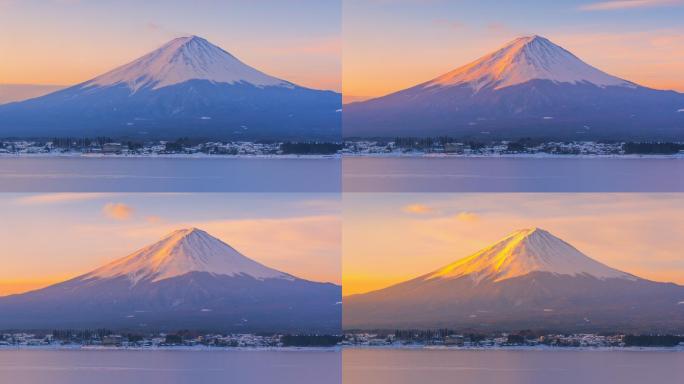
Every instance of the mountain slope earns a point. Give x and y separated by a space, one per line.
529 280
530 87
188 280
188 87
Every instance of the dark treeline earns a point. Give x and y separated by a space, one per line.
653 340
522 144
429 142
310 148
80 334
83 142
430 334
310 340
652 148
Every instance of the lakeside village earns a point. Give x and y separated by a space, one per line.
449 338
106 338
408 146
103 338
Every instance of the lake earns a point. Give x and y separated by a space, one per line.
169 366
396 366
356 174
164 174
509 174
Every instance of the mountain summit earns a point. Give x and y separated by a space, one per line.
181 60
530 87
523 252
187 280
186 88
525 59
184 251
529 280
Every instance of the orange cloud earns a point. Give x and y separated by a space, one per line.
467 216
417 209
117 211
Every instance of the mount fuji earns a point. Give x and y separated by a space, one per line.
188 280
530 87
186 88
529 280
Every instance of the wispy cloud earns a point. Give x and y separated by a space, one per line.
628 4
56 198
467 216
154 219
117 211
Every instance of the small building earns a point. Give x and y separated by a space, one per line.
113 148
112 340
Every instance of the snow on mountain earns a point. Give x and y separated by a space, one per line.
523 252
187 88
181 252
529 280
530 88
183 59
188 280
524 59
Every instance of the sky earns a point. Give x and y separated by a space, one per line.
390 45
70 41
390 238
48 238
365 48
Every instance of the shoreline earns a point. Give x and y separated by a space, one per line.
540 348
162 348
337 348
336 156
509 156
163 156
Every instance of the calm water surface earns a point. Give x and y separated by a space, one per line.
119 174
162 367
458 174
511 367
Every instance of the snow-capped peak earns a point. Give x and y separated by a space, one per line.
523 252
183 59
181 252
524 59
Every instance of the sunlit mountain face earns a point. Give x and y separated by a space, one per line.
529 280
531 87
187 280
186 88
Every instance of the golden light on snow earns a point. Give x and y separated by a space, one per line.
382 245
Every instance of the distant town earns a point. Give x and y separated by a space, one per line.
445 146
106 146
448 338
440 146
107 338
102 338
